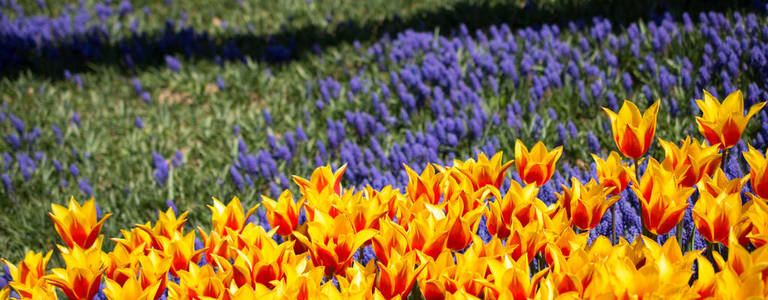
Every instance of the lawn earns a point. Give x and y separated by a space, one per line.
145 104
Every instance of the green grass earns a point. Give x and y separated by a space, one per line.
188 112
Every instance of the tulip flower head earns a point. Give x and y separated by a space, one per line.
426 185
612 173
484 171
230 217
758 172
716 215
633 132
723 123
691 161
323 179
538 165
283 214
592 203
28 274
77 225
662 198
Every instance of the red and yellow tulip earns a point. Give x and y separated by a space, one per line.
591 203
538 165
77 225
283 214
662 198
716 215
723 123
758 166
633 132
612 173
691 161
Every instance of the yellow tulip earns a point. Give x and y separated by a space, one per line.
29 273
716 215
723 123
538 165
662 198
283 214
633 132
691 161
592 203
484 171
230 217
77 225
758 165
425 186
612 173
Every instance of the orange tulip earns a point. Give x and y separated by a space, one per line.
538 165
82 277
461 227
390 240
28 275
512 279
197 283
633 132
716 215
612 173
663 199
230 217
333 241
691 161
397 277
425 186
77 225
130 289
322 180
723 123
283 214
518 202
425 235
719 183
483 171
154 270
592 202
182 251
758 165
757 215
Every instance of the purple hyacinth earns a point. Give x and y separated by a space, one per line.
74 170
178 159
162 170
236 178
7 184
85 186
138 122
173 63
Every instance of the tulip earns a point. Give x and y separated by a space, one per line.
716 215
425 235
757 214
196 283
758 165
612 173
538 165
333 241
182 251
719 183
592 203
230 217
518 202
461 226
130 289
397 277
283 214
322 180
425 186
391 239
723 123
483 171
28 275
512 279
633 132
82 277
77 225
691 161
663 199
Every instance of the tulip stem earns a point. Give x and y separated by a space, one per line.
639 204
725 160
679 233
613 224
710 255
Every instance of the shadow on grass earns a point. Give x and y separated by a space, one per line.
135 53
